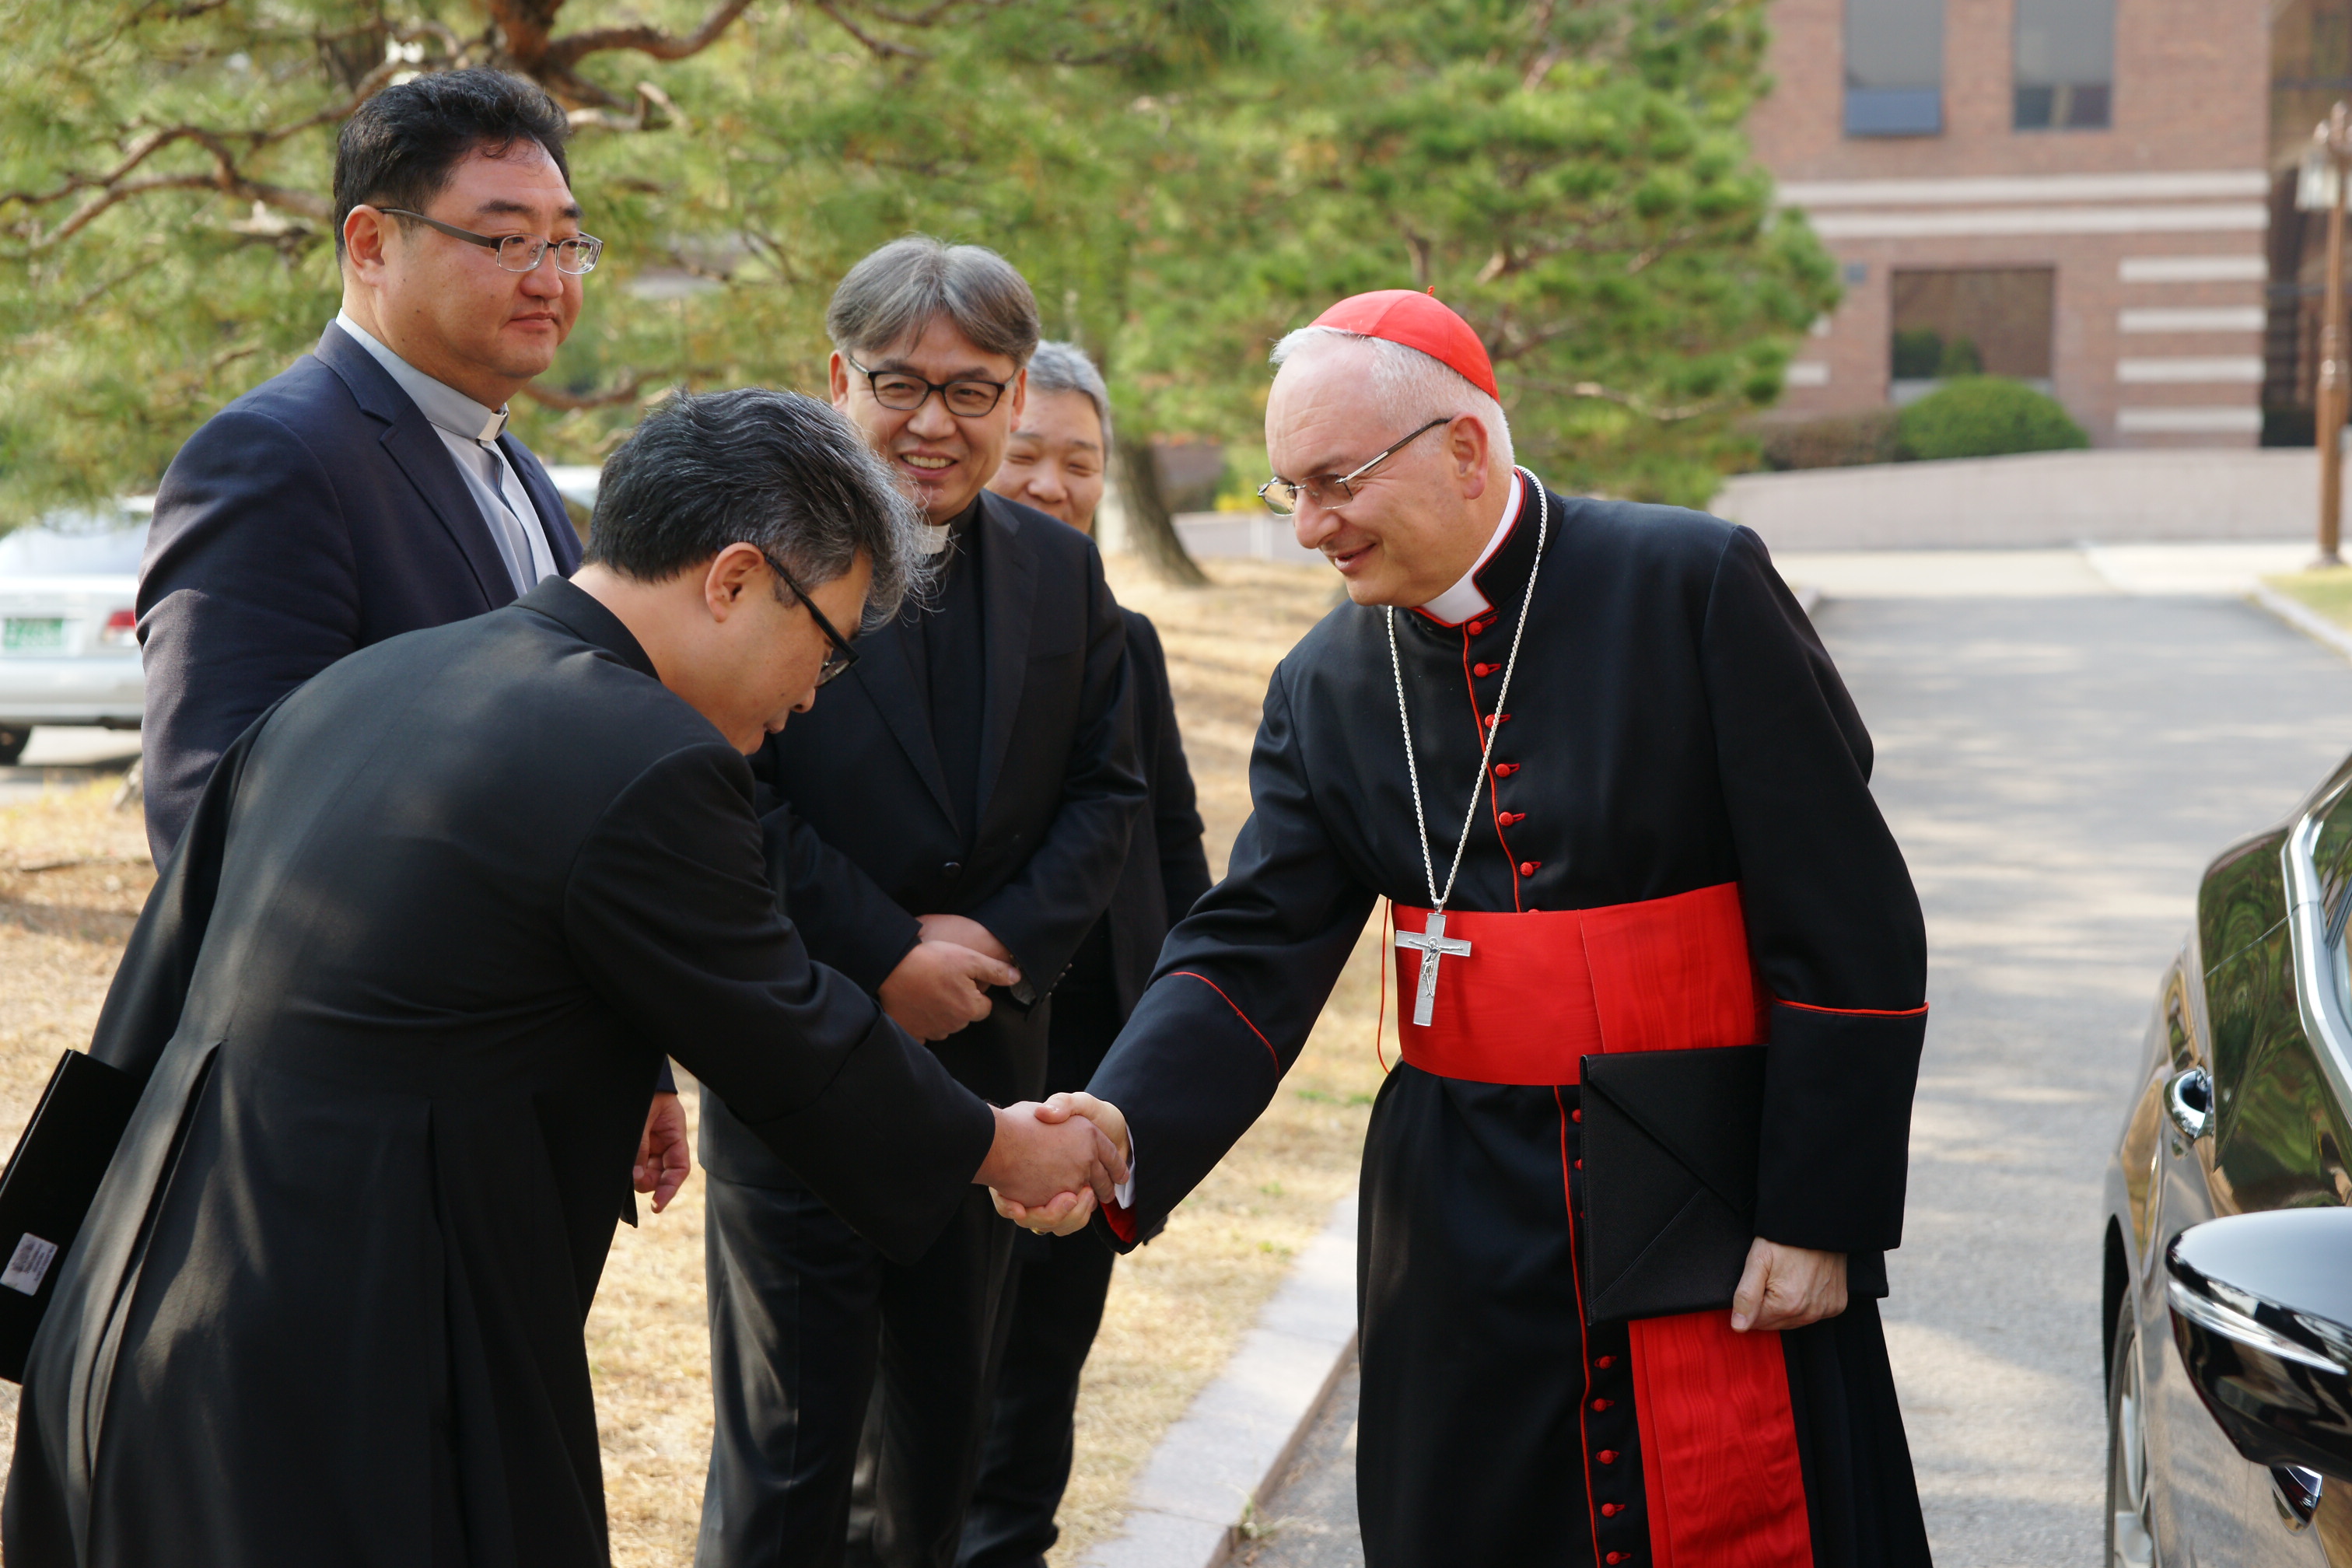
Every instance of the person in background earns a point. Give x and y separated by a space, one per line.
1054 462
371 488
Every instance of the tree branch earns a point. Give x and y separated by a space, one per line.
563 53
883 48
1668 414
570 402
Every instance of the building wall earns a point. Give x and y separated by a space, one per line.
2154 227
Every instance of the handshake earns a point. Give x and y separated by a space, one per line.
1052 1163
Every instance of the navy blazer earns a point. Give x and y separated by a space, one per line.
315 515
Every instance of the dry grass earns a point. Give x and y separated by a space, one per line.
1177 1308
2326 589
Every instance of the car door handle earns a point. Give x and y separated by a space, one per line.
2188 1100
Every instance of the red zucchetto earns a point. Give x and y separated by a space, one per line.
1418 322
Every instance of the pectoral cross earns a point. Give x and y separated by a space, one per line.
1434 945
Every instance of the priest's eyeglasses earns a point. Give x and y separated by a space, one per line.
521 252
843 655
1328 490
901 393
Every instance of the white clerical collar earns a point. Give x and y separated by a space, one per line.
440 402
1464 602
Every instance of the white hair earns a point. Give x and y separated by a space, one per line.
1412 387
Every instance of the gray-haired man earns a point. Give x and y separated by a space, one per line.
954 818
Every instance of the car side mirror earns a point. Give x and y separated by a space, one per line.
2261 1308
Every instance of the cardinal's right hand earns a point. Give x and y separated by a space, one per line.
940 986
1062 1165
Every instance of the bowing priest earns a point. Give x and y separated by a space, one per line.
398 1003
1596 758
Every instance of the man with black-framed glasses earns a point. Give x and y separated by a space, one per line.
372 488
952 821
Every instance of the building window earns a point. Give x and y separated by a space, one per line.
2065 64
1894 68
1990 321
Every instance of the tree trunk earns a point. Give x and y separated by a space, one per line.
1151 527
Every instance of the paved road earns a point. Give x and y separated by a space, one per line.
2058 770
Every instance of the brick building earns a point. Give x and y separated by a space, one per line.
2093 196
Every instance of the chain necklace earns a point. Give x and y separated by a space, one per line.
1433 944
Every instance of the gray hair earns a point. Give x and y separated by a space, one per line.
892 295
1064 367
776 470
1412 387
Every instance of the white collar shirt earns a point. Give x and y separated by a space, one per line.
470 431
1464 601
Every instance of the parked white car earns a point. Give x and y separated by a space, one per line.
69 633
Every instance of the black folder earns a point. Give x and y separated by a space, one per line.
1670 1141
47 1188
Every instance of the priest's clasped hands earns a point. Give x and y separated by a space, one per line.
1069 1211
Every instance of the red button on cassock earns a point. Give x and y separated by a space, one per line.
1505 770
1606 1455
1600 1404
1475 627
1483 670
1513 818
1617 1557
1527 868
1606 1361
1580 1164
1578 1116
1612 1510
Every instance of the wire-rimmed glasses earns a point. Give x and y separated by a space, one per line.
521 252
1282 495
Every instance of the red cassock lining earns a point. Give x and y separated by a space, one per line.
1719 1462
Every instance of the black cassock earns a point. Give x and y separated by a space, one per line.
400 999
1673 727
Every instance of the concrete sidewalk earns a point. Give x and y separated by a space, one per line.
2222 569
2033 500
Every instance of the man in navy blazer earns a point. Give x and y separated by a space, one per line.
371 488
327 509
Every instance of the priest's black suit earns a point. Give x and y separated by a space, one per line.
979 760
1673 727
399 999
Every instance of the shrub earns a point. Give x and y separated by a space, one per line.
1918 353
1986 417
1837 441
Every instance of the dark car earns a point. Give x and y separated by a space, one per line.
2228 1299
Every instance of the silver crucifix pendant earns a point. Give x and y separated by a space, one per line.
1434 945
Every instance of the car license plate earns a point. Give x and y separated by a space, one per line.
32 635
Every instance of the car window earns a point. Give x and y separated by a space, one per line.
76 545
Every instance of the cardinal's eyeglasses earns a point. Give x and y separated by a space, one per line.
1328 490
521 252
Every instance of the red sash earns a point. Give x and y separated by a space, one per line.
1535 994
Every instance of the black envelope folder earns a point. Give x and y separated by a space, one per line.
1670 1143
47 1188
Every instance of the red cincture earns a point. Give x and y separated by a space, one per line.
1718 1460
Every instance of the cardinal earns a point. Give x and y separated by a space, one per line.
1596 758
